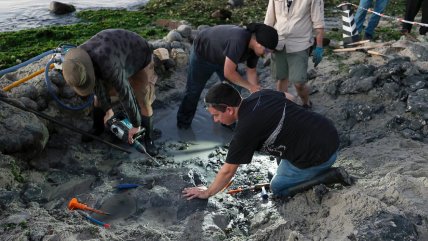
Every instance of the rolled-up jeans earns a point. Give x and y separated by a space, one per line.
360 16
288 175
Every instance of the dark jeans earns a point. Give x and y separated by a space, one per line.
412 8
198 74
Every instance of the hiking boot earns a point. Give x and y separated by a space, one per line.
97 124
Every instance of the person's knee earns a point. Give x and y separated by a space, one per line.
300 86
276 186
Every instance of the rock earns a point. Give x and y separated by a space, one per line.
6 178
56 78
29 91
3 93
417 102
23 134
169 64
61 8
160 44
34 193
29 103
387 226
362 71
355 85
161 53
185 30
67 92
7 197
173 35
179 56
176 45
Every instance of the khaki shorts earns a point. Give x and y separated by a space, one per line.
290 66
143 85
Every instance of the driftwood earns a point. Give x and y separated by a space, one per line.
358 43
357 48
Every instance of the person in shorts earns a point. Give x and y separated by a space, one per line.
115 62
295 22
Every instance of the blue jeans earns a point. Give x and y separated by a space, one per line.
198 74
360 16
288 175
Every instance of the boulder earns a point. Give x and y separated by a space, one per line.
179 56
161 53
184 30
23 134
61 8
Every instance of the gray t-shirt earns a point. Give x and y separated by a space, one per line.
216 43
117 54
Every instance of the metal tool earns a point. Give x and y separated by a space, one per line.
120 125
68 126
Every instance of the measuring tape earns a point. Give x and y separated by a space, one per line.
385 16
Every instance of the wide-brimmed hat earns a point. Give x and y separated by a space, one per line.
78 71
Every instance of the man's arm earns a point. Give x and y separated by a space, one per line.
252 76
270 18
319 35
225 174
233 76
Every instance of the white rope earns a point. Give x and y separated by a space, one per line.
385 16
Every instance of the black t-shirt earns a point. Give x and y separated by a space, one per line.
216 43
272 124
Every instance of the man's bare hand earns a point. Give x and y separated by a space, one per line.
131 134
196 192
254 88
109 114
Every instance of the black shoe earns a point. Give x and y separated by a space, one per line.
147 122
183 126
151 149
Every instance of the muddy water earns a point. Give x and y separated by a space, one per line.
204 135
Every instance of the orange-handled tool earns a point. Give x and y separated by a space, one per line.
74 204
252 188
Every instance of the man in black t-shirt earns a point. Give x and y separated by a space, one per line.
220 49
268 122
